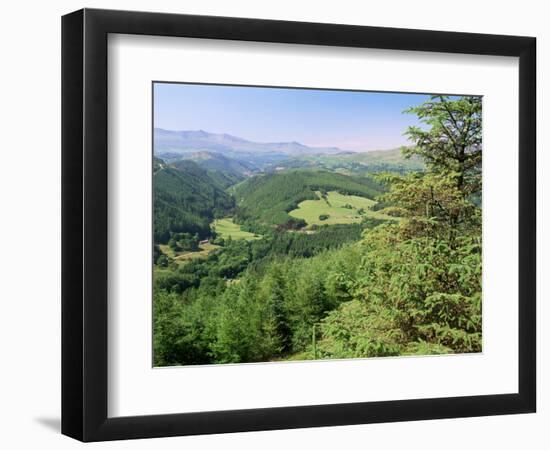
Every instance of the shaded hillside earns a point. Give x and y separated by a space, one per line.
269 198
186 199
226 171
221 163
215 170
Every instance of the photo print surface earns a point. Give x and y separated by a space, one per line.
298 224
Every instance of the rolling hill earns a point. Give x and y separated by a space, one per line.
173 145
335 208
224 171
216 161
268 198
353 163
225 152
186 198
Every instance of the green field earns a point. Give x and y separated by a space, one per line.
181 257
227 228
204 251
334 207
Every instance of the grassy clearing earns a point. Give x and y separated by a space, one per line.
338 207
227 228
181 257
205 249
167 250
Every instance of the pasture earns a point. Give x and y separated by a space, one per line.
227 228
181 257
339 208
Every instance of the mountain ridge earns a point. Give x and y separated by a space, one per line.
184 141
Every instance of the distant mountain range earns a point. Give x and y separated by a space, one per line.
181 142
242 158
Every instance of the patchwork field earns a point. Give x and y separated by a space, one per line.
336 208
227 228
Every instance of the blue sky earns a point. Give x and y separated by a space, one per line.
358 121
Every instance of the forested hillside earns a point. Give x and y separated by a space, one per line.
217 162
186 199
267 199
223 172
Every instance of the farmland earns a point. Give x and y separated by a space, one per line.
226 228
335 208
182 256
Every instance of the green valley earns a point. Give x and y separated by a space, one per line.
279 252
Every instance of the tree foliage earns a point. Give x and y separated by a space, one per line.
451 141
420 289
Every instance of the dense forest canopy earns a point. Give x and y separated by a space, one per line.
186 199
270 288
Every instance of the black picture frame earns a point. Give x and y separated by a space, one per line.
84 224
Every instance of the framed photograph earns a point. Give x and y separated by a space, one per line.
273 224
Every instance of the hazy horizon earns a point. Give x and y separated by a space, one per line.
281 142
355 121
